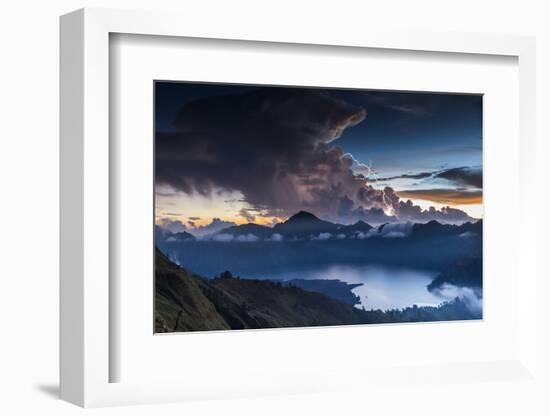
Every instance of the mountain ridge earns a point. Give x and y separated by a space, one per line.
305 224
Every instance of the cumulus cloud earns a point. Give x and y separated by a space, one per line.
399 210
323 236
247 238
372 216
277 147
275 237
273 145
408 211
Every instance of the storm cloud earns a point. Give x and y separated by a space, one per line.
400 210
421 175
463 176
276 146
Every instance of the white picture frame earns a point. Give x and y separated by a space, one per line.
85 210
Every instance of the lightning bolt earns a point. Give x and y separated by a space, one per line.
371 174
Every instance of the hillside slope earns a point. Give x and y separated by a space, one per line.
180 303
187 302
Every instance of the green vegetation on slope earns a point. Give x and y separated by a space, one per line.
187 302
180 303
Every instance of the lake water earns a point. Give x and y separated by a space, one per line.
383 287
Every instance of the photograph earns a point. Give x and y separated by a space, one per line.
246 208
287 206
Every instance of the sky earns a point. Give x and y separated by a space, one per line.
234 154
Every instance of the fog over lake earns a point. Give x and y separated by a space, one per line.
384 287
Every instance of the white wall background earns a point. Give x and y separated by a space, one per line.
29 204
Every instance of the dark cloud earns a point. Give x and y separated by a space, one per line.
399 210
410 212
463 176
273 145
276 147
372 216
349 211
421 175
248 214
466 176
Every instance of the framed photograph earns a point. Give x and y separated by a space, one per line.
268 212
271 213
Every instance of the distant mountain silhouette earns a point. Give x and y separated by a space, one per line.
183 236
358 227
474 227
162 235
303 216
435 229
304 224
260 231
431 228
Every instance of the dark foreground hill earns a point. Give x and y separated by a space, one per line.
187 302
